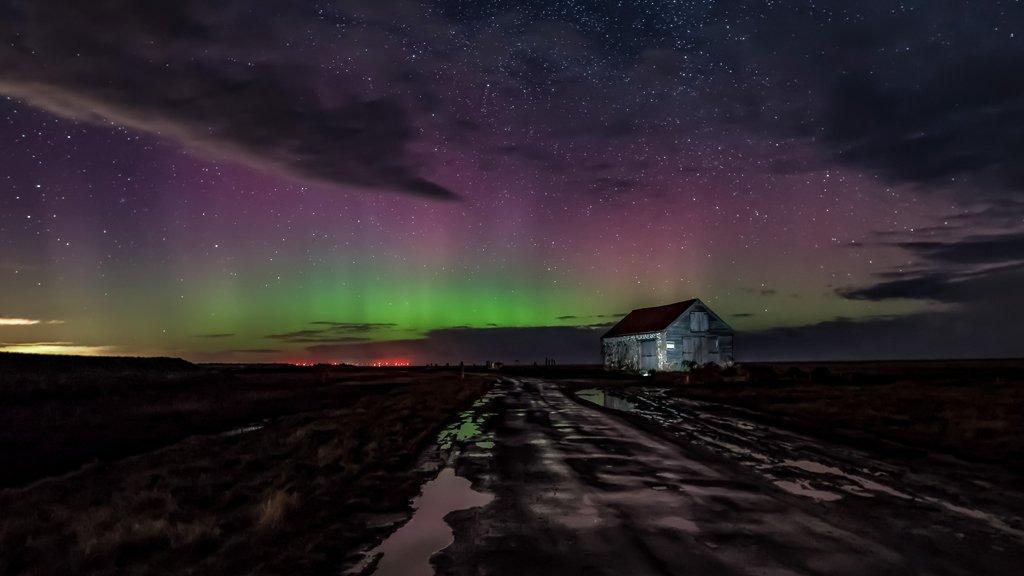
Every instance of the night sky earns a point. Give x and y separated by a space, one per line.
445 181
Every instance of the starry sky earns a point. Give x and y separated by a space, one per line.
354 181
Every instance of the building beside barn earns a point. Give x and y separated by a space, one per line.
667 338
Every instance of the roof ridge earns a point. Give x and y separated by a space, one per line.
649 319
664 305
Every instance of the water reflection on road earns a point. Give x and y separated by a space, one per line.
675 488
795 464
407 551
607 399
563 487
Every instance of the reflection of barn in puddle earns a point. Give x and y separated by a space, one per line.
668 338
606 399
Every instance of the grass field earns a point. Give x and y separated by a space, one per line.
971 409
210 470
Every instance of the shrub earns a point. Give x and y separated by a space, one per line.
272 510
706 374
822 375
794 373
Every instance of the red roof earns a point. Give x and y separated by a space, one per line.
653 319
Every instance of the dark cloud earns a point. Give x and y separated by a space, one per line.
956 271
978 279
332 332
354 326
591 317
920 93
993 213
566 344
324 339
286 336
195 72
983 286
871 84
979 330
987 249
940 231
935 286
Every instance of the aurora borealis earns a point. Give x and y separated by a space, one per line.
446 181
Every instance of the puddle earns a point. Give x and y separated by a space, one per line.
466 429
407 552
803 488
592 395
985 517
863 483
606 400
820 481
814 467
242 430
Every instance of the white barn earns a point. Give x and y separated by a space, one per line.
668 338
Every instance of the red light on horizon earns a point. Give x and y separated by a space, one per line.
390 362
380 363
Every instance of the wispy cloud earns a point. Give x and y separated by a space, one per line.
4 321
268 111
17 322
67 348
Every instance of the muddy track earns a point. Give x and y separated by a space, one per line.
665 488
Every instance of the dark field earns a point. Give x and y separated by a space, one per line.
971 409
159 466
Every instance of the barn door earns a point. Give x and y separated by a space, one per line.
705 349
714 349
648 354
689 348
700 350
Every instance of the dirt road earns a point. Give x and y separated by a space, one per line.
636 483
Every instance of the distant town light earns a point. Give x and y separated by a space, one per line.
388 362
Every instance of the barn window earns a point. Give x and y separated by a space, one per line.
698 322
687 345
714 345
